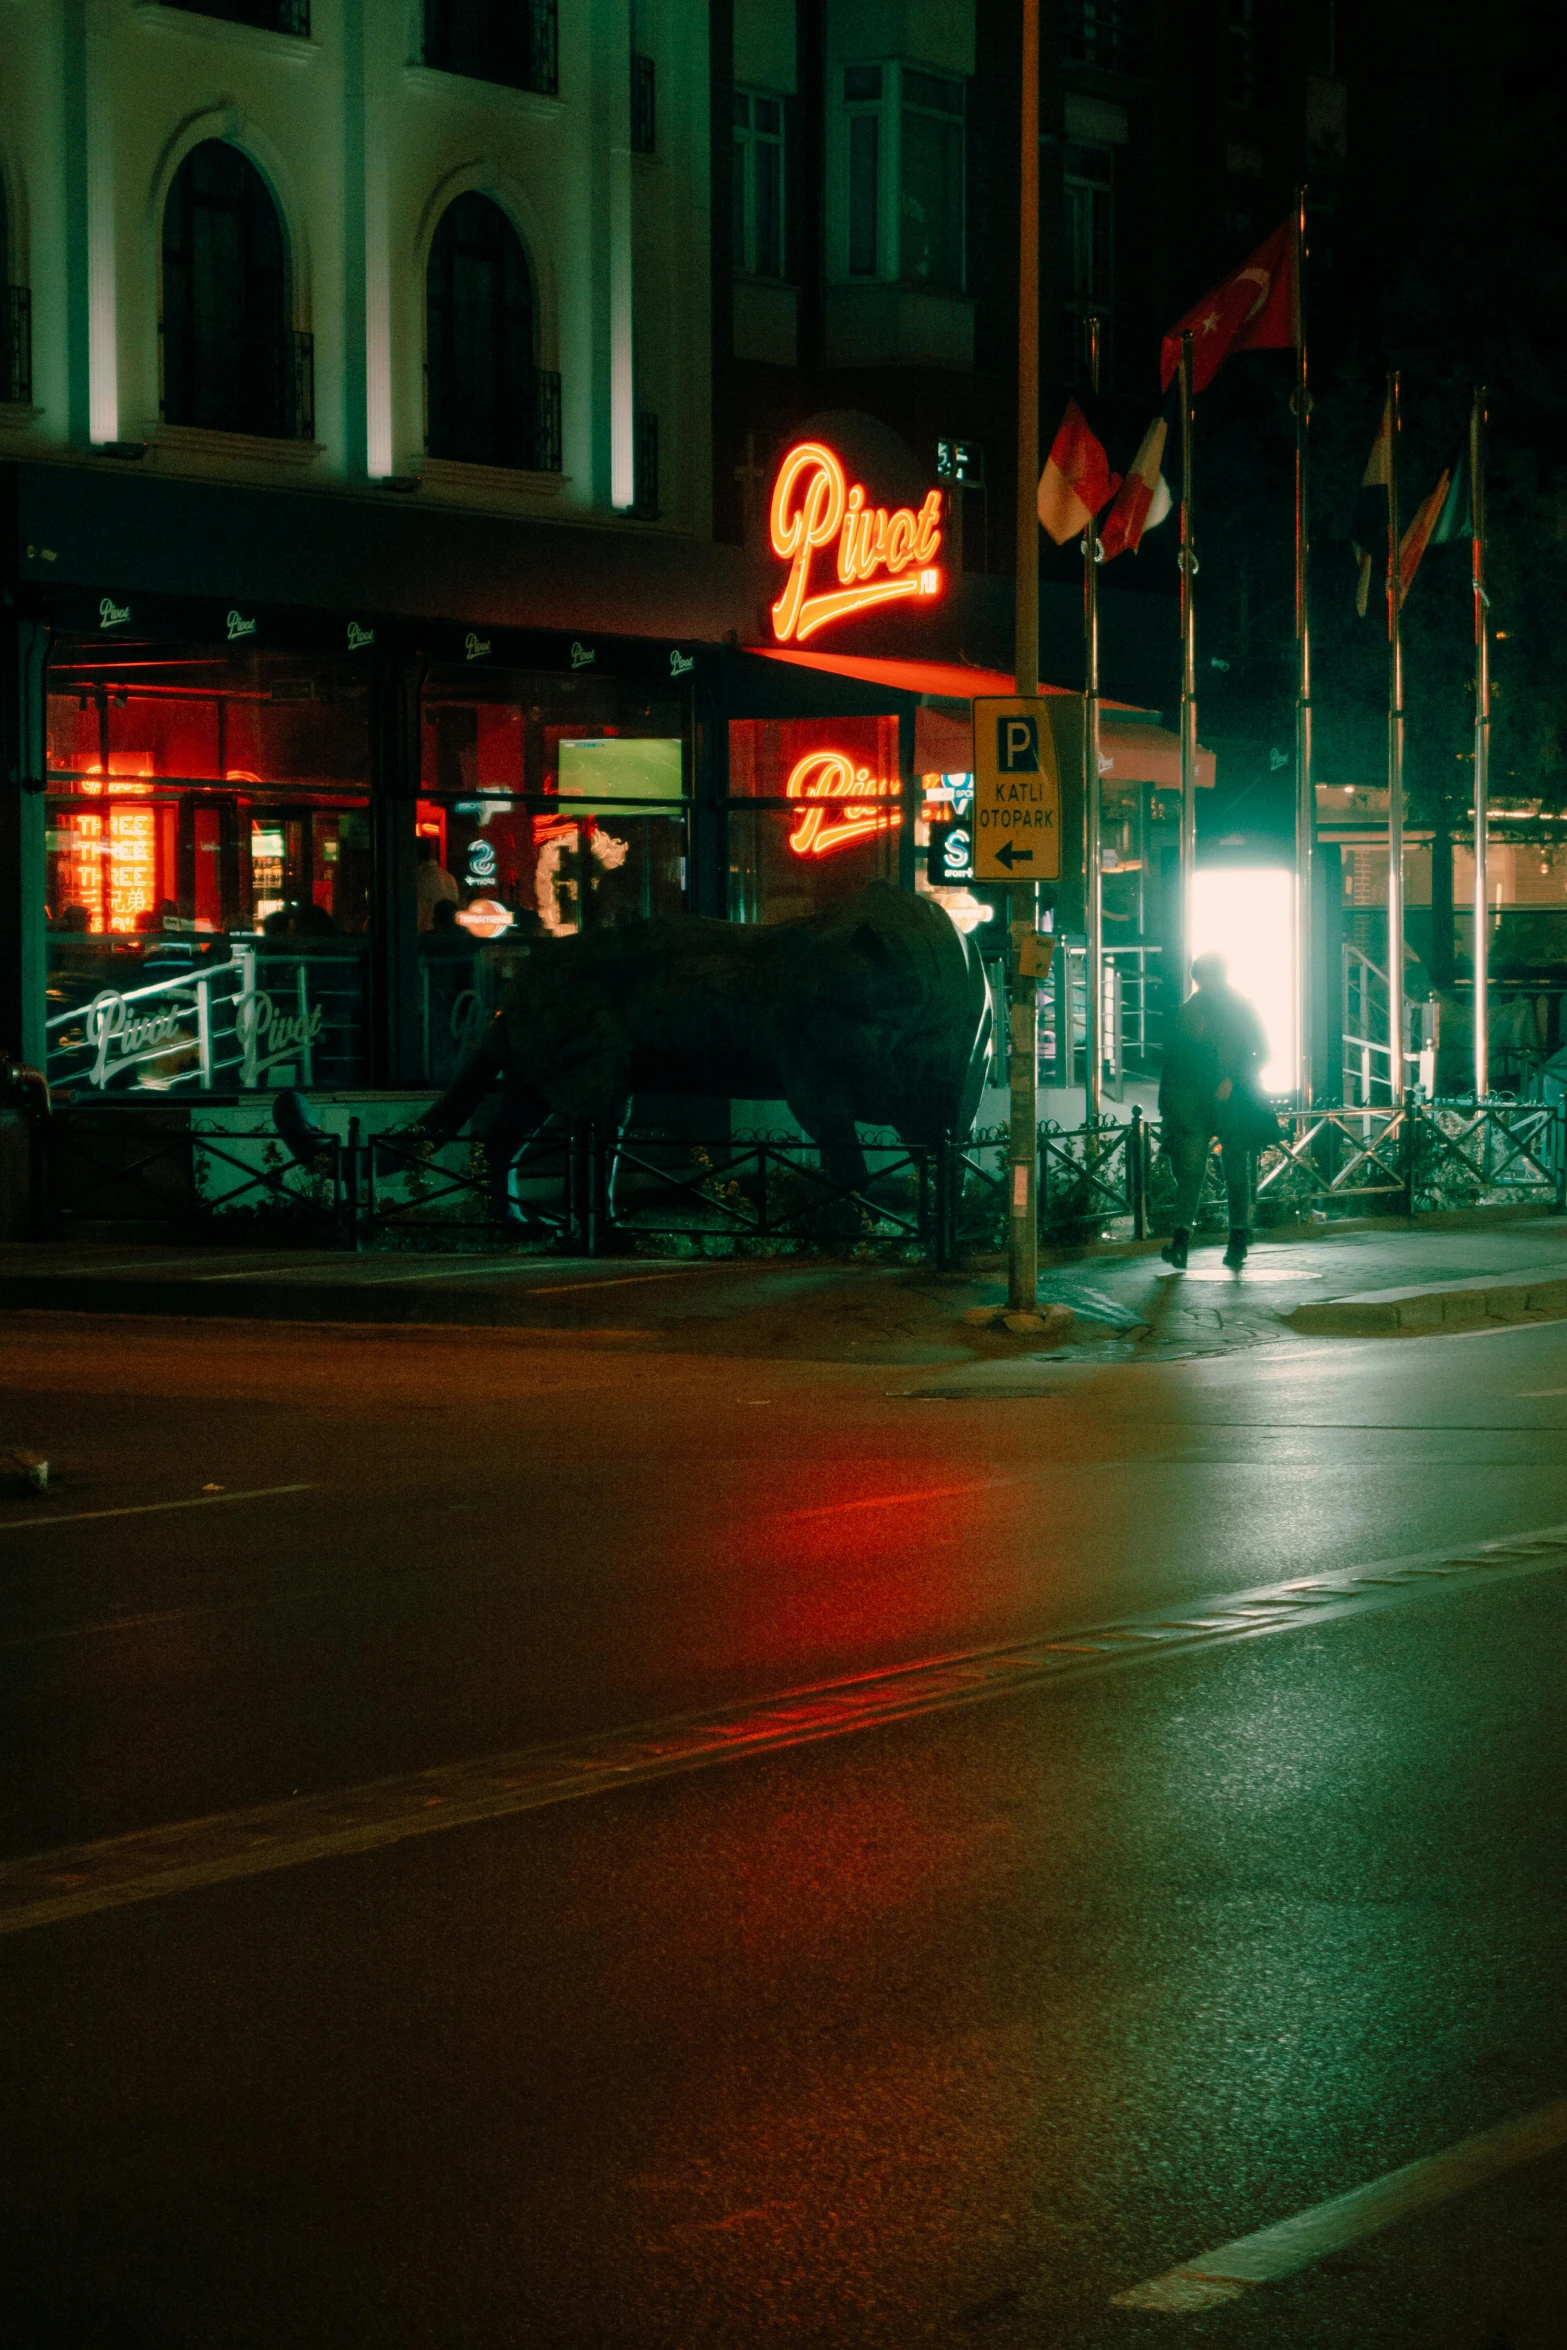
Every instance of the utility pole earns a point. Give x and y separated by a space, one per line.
1188 562
1093 894
1395 759
1023 1156
1481 956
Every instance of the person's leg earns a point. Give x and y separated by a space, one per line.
1237 1185
1188 1155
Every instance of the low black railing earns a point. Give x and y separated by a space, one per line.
546 420
645 465
16 346
578 1188
302 416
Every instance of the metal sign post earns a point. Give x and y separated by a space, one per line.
1023 1216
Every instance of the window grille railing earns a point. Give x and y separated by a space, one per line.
516 42
265 16
645 465
1102 32
302 406
644 109
546 420
16 345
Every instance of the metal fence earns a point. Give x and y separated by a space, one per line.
577 1188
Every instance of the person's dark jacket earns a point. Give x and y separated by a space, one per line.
1218 1038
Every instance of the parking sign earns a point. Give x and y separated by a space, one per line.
1017 792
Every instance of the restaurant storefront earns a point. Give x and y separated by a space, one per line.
253 838
250 844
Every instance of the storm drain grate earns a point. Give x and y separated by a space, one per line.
54 1887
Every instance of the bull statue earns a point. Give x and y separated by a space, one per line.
876 1013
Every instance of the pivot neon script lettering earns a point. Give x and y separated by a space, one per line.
881 557
860 803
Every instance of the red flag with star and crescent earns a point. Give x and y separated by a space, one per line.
1257 309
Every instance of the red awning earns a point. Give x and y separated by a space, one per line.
1133 746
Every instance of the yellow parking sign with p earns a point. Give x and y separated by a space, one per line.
1017 791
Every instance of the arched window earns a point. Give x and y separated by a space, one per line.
479 339
230 361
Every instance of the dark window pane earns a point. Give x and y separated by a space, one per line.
227 355
769 211
864 176
479 322
767 116
742 110
738 208
926 89
644 106
932 200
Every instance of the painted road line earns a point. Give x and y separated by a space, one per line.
1230 2270
146 1509
51 1888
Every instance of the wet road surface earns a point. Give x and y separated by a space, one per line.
946 2032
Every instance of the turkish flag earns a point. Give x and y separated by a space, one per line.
1255 310
1077 479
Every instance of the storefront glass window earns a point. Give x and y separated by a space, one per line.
815 813
209 869
551 804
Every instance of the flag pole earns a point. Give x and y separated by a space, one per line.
1093 896
1023 1058
1481 956
1188 858
1305 791
1395 759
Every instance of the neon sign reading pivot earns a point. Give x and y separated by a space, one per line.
832 776
812 506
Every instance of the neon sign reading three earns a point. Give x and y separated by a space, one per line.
881 558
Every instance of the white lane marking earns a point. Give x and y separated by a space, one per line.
51 1888
1230 2270
1535 1394
145 1509
626 1280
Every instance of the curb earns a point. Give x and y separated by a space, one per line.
1539 1296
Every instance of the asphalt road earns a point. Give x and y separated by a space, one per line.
946 2032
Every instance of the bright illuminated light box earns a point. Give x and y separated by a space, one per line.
599 773
1248 916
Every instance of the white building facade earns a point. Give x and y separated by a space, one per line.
361 123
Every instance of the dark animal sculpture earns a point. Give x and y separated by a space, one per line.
876 1014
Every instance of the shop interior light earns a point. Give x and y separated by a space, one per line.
1247 915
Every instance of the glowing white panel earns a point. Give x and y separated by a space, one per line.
1247 915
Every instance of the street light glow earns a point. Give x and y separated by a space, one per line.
1247 915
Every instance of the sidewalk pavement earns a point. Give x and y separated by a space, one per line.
1126 1304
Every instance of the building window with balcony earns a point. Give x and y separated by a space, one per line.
903 149
1240 59
232 362
486 402
512 41
266 16
1088 203
1102 33
758 201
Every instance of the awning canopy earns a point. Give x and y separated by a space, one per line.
1133 746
